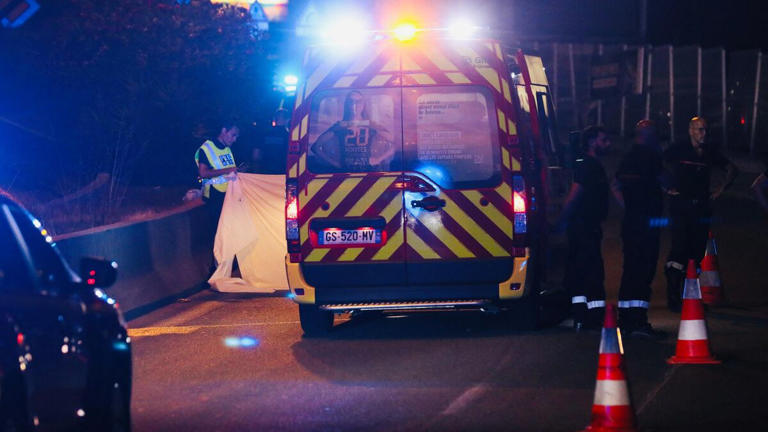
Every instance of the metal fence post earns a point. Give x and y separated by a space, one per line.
599 101
648 84
754 106
573 86
623 110
554 71
724 97
698 81
671 93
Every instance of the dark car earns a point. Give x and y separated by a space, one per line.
65 354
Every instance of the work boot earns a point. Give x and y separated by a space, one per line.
593 319
640 327
628 319
675 279
581 317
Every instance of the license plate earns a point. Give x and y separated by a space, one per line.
362 236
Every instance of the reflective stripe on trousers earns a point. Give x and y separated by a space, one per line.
590 304
634 304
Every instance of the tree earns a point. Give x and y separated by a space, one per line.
120 85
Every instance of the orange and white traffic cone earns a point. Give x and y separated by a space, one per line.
711 288
611 409
692 341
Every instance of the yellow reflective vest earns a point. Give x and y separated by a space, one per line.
220 158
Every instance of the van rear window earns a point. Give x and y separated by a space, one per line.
451 135
355 131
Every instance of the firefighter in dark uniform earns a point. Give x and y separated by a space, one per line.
638 189
690 165
585 208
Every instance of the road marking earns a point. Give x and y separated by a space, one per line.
473 393
652 395
466 398
164 330
157 331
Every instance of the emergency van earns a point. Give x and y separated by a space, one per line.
415 179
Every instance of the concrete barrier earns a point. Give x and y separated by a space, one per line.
160 260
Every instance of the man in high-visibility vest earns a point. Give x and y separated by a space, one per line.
216 168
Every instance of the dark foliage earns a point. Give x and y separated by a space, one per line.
123 87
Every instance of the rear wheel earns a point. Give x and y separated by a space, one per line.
14 415
523 314
315 321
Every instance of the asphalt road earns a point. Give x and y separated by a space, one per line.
451 371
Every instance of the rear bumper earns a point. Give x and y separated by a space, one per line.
442 296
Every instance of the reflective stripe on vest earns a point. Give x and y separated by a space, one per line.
220 159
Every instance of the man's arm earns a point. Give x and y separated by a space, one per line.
204 171
574 195
760 186
616 190
326 138
730 174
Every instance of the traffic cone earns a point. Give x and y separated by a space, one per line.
611 409
692 342
711 288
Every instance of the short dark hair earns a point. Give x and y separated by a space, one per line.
590 133
229 122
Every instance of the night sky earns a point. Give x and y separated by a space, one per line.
735 25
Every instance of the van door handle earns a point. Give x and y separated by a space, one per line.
430 203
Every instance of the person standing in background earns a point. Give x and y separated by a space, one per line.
690 165
638 189
216 168
584 211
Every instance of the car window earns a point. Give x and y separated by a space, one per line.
355 131
46 261
13 273
451 135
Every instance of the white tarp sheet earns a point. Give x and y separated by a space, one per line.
252 227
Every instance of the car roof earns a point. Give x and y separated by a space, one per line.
6 198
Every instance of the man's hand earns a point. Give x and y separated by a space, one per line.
716 194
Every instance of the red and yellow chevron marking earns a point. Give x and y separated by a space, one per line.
474 223
369 195
464 228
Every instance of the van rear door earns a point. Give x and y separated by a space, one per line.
457 139
351 194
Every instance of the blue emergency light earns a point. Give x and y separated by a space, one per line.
14 13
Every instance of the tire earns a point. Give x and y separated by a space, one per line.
523 314
113 411
14 415
118 413
315 321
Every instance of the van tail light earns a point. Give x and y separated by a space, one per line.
519 205
292 218
292 209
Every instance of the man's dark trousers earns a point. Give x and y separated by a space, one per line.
641 254
689 227
585 274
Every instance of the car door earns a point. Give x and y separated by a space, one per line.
47 306
458 133
350 181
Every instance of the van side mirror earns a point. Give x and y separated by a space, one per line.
98 272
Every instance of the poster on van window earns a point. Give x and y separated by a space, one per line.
453 133
354 131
